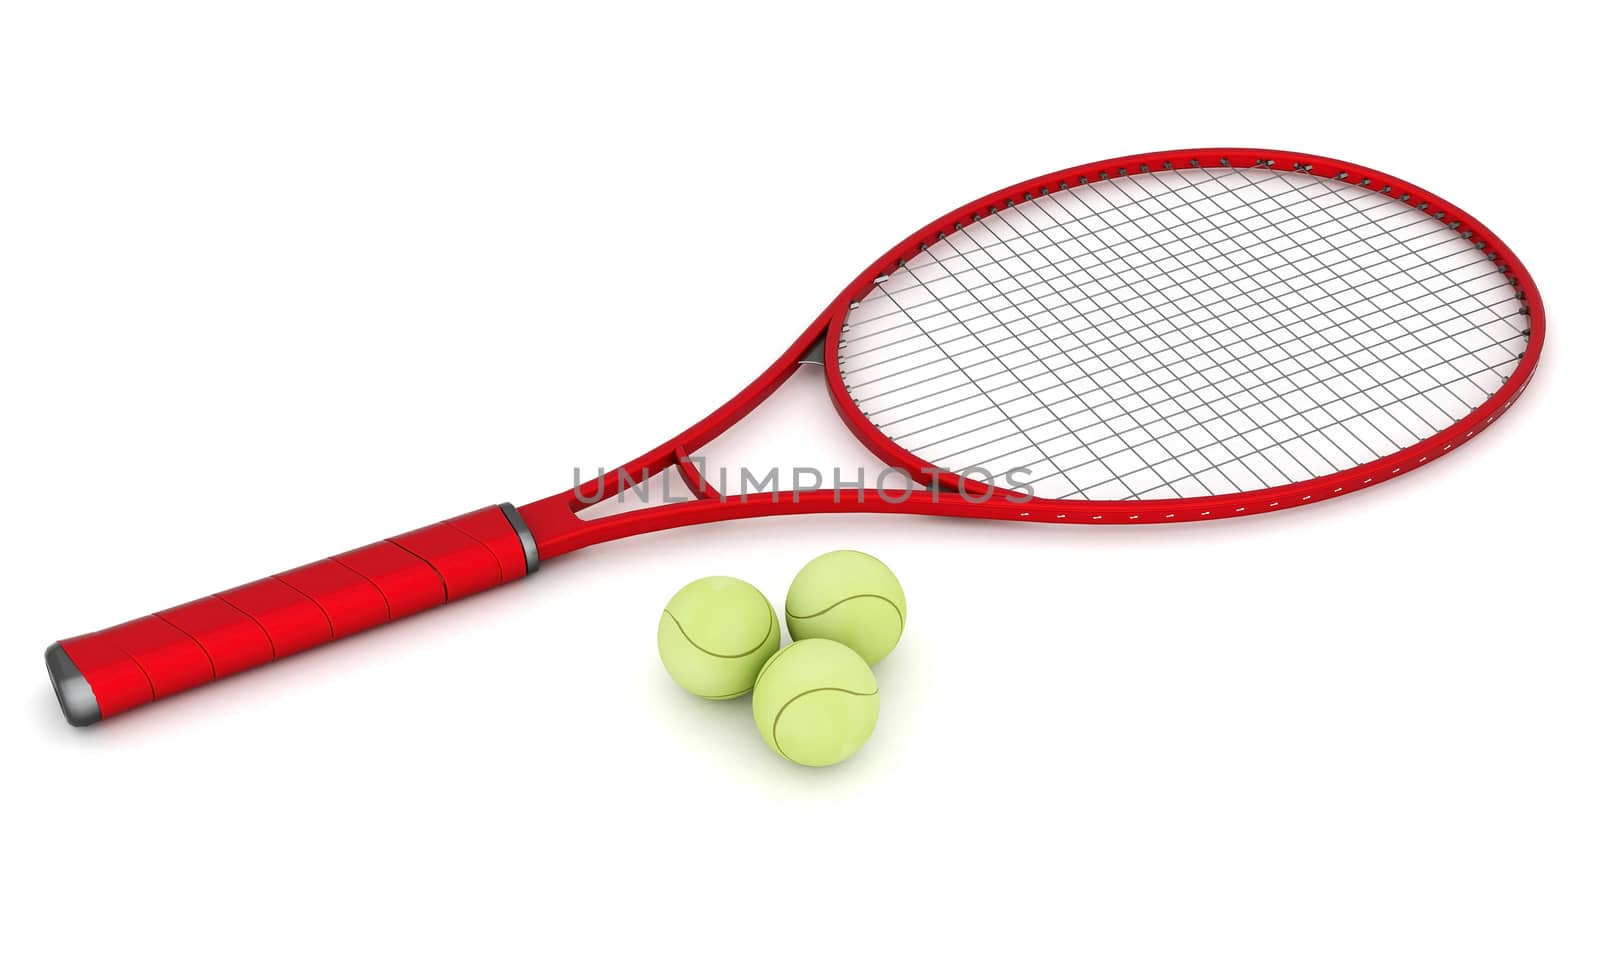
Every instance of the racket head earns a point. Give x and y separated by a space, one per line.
1039 259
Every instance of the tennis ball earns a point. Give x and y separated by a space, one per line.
850 597
714 636
816 702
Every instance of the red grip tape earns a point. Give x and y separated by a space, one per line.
465 564
233 641
159 655
409 586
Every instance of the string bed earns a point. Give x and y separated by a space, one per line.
1182 333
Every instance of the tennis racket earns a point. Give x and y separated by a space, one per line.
1188 335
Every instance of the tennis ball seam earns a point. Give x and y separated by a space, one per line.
778 717
857 596
722 656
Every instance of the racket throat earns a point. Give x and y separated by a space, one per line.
815 353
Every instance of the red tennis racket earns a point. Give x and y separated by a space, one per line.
1187 335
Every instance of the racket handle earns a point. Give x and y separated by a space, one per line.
102 674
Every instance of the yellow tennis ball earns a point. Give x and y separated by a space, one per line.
816 702
851 597
715 635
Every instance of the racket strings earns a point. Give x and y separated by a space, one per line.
1095 411
1298 461
1010 371
1285 419
859 351
907 402
1253 417
1218 416
1159 441
1255 475
1421 263
861 319
1182 333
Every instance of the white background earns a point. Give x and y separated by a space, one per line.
281 280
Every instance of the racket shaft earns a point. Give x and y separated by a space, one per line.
114 670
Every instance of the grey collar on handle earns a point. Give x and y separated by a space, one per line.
530 550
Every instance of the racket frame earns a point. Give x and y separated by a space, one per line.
558 529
